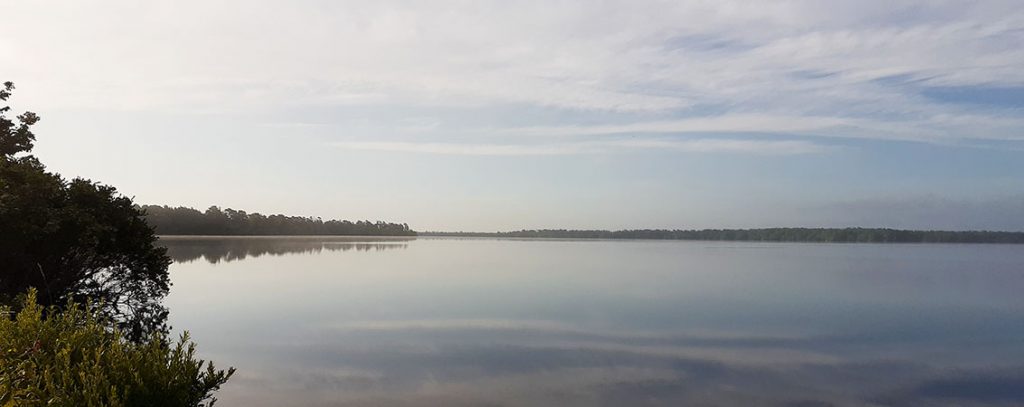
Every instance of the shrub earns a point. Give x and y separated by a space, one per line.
72 357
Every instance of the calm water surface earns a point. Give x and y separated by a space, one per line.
484 322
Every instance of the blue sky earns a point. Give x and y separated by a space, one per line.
507 115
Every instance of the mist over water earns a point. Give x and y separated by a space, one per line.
466 322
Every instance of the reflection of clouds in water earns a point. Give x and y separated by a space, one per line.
214 249
883 341
481 362
497 323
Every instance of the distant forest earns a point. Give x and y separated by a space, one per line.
845 235
215 221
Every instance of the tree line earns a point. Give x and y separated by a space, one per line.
825 235
215 221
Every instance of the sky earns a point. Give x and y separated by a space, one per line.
504 115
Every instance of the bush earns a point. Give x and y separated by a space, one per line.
71 357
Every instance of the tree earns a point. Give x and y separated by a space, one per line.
17 137
74 240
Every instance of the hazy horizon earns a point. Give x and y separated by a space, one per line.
489 116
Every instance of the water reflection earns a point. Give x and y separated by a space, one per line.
424 363
549 323
215 249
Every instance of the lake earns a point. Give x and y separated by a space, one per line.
348 321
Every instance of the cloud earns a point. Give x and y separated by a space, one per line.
714 124
945 128
786 67
759 147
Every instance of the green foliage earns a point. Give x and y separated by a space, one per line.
75 239
72 358
230 222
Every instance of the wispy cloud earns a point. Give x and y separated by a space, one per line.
939 128
760 147
753 123
729 65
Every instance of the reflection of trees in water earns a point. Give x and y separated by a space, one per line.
184 249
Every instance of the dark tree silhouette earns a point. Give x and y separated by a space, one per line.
230 222
74 240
